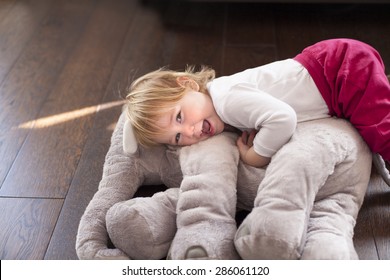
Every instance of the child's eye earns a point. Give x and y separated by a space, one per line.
177 138
178 117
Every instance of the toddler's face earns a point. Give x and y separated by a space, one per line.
190 121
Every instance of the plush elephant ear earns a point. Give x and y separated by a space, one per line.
130 144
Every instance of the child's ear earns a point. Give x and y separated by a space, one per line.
130 144
187 82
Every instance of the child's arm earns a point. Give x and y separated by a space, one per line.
246 107
247 153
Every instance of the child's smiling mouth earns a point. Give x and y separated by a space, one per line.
207 128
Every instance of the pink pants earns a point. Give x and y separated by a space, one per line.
351 78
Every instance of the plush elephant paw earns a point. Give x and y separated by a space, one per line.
144 227
111 254
258 238
329 246
204 240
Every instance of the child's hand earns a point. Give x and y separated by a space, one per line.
247 153
245 141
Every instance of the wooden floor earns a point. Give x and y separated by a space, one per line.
64 66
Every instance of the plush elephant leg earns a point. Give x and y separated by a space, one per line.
333 218
144 227
205 240
329 234
330 230
276 227
207 202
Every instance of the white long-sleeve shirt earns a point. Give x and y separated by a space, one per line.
271 99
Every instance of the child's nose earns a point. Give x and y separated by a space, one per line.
189 130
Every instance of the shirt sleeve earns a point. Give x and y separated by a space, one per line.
247 107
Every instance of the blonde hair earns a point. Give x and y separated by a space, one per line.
156 93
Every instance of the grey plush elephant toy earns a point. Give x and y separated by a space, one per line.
302 206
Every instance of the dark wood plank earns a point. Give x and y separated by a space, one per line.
239 58
250 25
378 203
19 21
47 169
34 75
5 8
341 22
297 26
250 37
197 31
363 235
147 45
26 226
